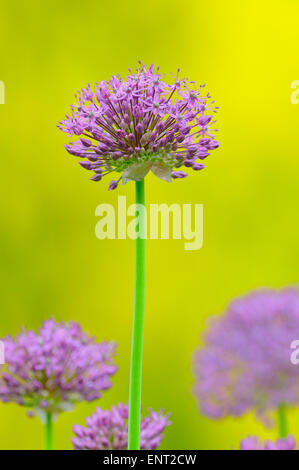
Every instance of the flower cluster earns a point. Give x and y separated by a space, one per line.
254 443
54 368
245 362
140 123
109 430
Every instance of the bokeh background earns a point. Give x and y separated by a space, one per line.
51 262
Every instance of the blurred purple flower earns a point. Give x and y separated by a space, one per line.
53 369
245 361
109 430
141 123
254 443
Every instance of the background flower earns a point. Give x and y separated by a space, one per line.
141 123
245 361
56 367
109 430
254 443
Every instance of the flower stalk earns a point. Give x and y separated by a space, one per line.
138 323
49 432
282 421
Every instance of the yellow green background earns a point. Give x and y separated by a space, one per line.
52 264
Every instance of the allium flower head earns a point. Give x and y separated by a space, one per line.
245 361
254 443
109 430
54 368
133 125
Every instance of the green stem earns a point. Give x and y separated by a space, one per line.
138 325
282 421
49 432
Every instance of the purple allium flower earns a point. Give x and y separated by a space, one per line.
141 123
109 430
254 443
245 361
53 369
